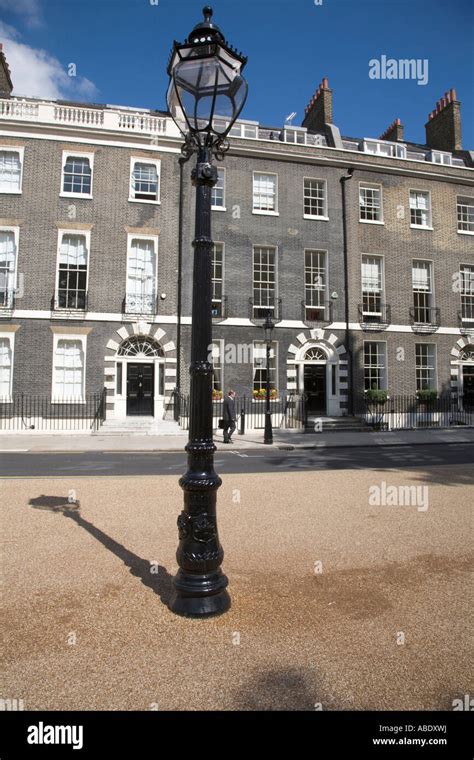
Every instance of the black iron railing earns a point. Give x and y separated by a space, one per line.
377 318
30 412
425 319
219 309
69 302
407 412
7 300
260 307
288 411
466 319
139 305
316 315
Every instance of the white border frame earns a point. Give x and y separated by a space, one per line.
371 186
21 152
224 207
421 226
156 162
78 154
276 296
259 212
463 232
79 233
427 343
57 336
325 217
9 335
380 256
139 236
385 342
16 237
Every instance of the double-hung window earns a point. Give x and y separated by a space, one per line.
6 366
11 169
370 203
144 180
217 279
69 368
8 265
264 281
217 352
425 356
465 213
141 287
372 286
265 193
218 191
71 291
375 365
77 174
315 285
466 275
315 198
422 282
260 368
420 209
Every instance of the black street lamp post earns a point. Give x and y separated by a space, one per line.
268 326
206 95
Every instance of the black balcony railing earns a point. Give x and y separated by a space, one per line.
259 308
377 319
140 305
219 309
424 319
69 302
7 301
317 315
466 319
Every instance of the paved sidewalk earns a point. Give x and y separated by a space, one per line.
254 440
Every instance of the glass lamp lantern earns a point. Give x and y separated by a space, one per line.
207 91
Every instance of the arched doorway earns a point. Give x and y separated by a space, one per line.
466 377
140 377
314 366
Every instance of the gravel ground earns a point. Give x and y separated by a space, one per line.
86 624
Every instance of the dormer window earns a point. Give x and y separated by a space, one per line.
441 157
384 148
241 129
293 135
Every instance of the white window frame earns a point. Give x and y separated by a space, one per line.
76 154
273 347
371 186
223 207
273 248
382 282
434 387
467 320
324 216
155 238
428 226
220 243
69 336
21 154
241 127
219 343
260 211
323 290
385 367
295 131
431 274
397 150
78 233
156 162
441 154
9 335
16 236
463 198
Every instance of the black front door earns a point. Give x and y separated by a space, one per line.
140 389
315 388
468 386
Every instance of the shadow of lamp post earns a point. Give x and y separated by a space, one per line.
206 95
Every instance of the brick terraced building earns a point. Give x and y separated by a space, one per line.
96 227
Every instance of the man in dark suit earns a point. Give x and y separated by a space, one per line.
229 416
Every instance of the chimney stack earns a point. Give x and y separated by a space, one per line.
443 128
318 112
6 85
393 133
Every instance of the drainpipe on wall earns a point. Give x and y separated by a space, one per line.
348 342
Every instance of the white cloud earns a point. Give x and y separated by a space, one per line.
28 9
37 74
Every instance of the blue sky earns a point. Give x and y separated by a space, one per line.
120 49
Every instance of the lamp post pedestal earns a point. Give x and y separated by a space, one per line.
200 587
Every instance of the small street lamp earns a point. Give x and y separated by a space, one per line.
268 327
206 95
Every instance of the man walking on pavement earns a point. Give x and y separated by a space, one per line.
229 416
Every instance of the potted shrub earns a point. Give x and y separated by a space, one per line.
374 396
426 395
216 395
